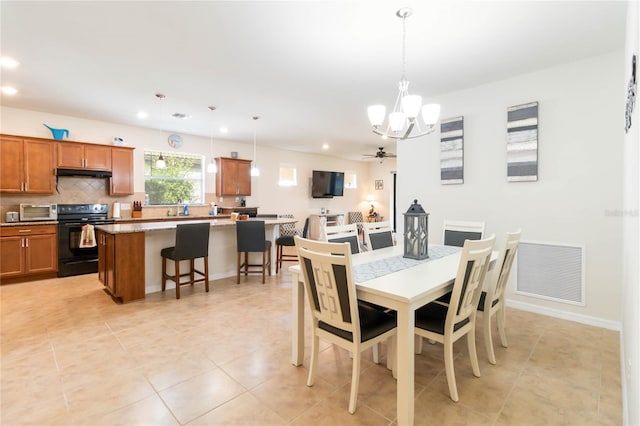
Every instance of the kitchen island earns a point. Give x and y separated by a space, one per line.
129 261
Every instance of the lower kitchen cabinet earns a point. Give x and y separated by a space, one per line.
28 250
121 264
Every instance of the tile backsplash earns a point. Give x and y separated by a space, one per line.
71 190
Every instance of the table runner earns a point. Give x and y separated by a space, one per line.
371 270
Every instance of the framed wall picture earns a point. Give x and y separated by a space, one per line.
522 143
379 184
452 150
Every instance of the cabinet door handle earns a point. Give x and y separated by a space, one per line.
26 242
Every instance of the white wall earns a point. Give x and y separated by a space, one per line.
267 195
580 171
630 353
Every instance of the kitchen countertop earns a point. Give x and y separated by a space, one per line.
33 223
170 218
128 228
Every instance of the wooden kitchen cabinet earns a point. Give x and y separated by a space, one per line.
121 264
26 165
87 156
28 250
233 177
122 168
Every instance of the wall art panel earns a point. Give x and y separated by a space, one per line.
522 142
452 150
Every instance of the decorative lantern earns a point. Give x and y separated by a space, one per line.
416 233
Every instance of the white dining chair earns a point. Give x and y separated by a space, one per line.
492 301
455 232
378 235
343 233
446 324
337 315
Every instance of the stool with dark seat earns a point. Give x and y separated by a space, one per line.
192 242
287 232
250 238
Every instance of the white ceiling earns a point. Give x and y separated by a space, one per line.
309 69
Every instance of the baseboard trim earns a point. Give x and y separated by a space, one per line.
571 316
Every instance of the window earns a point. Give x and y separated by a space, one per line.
182 180
350 179
288 175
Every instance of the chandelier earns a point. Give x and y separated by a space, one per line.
403 119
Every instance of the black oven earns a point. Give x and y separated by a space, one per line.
75 258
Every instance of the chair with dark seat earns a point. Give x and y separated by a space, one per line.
287 232
456 232
378 235
492 301
192 242
337 316
343 234
448 323
251 239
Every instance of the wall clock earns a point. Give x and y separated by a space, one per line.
175 141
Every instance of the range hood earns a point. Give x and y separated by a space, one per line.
84 173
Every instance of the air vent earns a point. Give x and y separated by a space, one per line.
551 271
180 115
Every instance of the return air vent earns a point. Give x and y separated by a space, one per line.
551 271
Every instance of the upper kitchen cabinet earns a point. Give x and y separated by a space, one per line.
26 165
122 179
233 177
77 155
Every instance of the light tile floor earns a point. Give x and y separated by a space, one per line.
70 355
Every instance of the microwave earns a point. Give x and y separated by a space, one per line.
34 212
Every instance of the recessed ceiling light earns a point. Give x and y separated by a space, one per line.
325 146
7 90
223 130
7 62
142 115
180 115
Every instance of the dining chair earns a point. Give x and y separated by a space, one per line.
378 235
492 301
287 232
456 232
343 234
250 238
192 242
447 324
358 219
337 316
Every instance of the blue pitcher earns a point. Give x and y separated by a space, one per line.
58 134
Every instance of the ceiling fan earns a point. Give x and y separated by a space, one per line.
381 154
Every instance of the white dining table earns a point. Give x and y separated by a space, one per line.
403 291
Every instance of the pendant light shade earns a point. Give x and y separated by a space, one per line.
254 166
160 163
211 167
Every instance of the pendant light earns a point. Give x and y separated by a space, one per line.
211 167
160 163
254 166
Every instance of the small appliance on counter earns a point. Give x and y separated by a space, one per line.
35 212
12 217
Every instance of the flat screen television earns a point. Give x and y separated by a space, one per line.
326 184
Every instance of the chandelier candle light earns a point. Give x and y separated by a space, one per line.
403 119
211 167
254 166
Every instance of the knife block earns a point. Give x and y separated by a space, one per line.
136 213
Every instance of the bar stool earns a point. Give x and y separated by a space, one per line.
192 242
287 232
250 238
